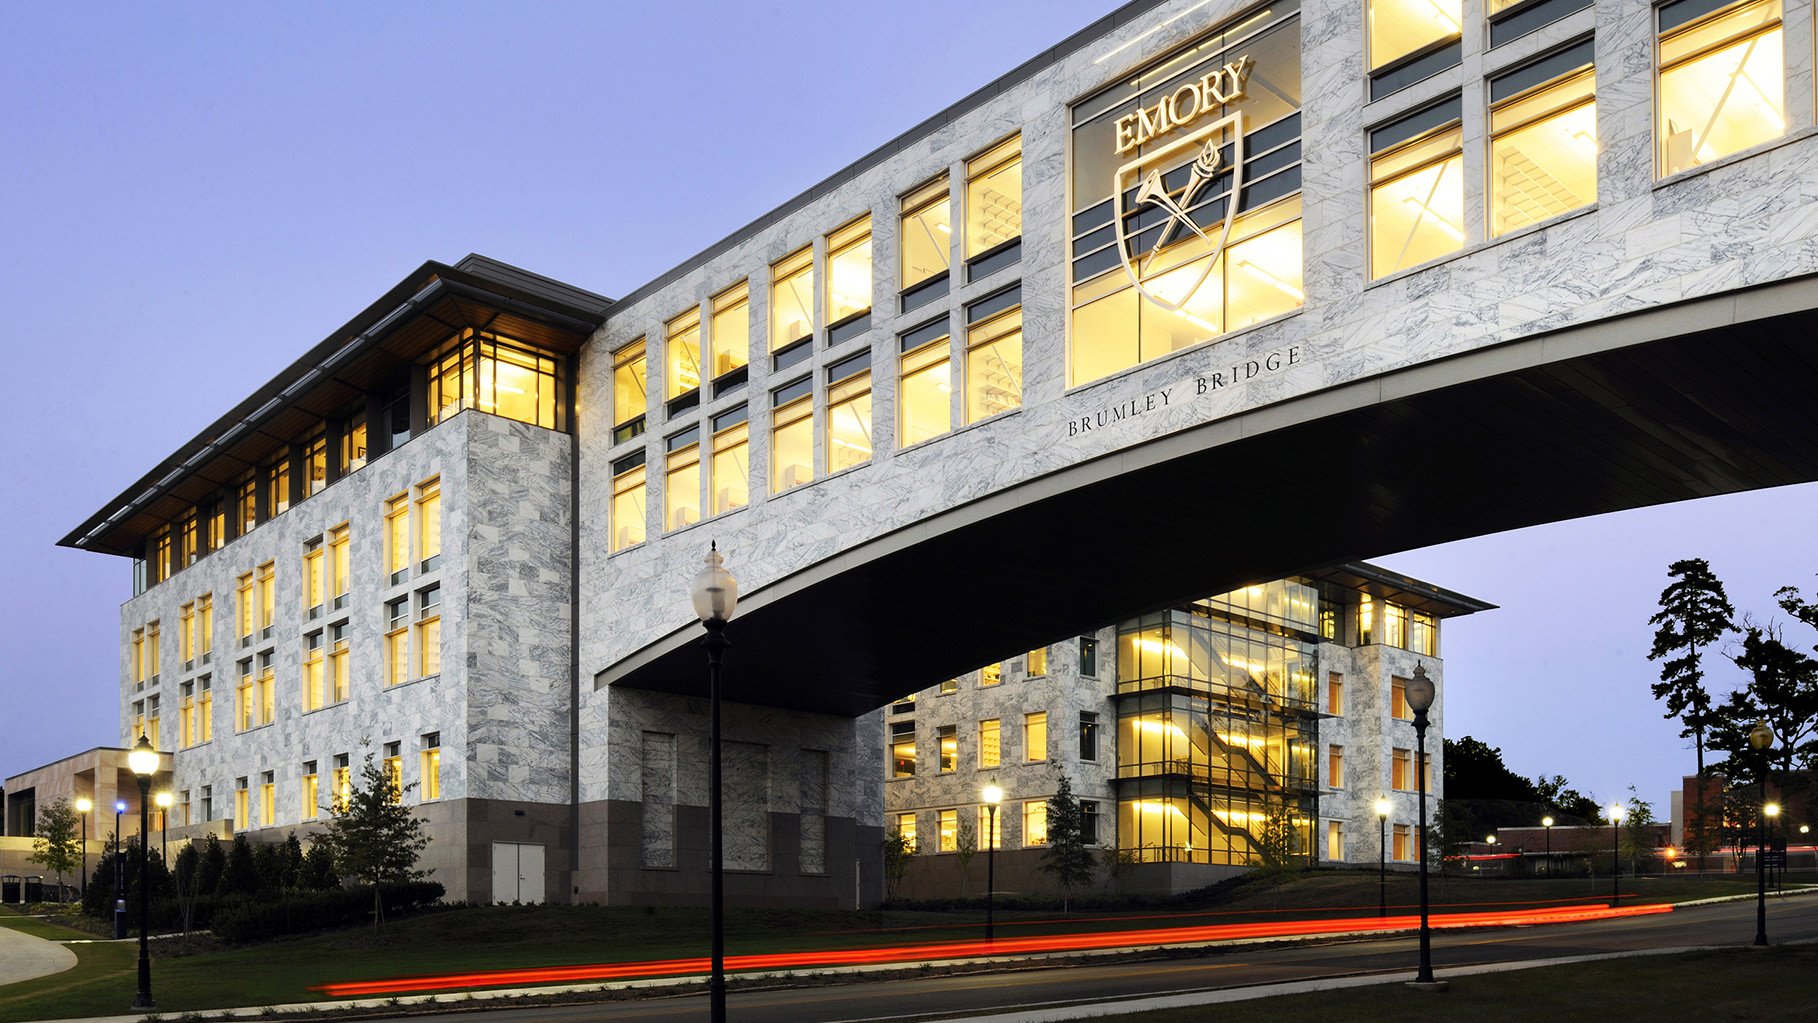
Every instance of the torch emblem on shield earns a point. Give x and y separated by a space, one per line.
1146 176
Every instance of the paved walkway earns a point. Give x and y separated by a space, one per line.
23 956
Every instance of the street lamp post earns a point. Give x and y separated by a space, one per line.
164 802
1547 822
83 806
144 762
1382 857
1761 738
1615 853
1419 695
715 593
994 795
119 875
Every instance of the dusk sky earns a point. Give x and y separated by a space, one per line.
195 194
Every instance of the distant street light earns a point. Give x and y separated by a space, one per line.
83 806
1419 694
1615 854
1547 822
1382 857
994 795
1761 739
164 801
144 762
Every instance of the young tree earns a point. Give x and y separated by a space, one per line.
898 851
57 840
241 876
1067 857
965 846
375 838
1279 841
1634 838
1694 614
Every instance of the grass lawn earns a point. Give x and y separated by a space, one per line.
503 937
10 917
1731 984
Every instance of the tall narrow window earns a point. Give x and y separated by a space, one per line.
138 668
1335 766
1398 700
731 340
337 662
1035 736
205 626
353 444
268 799
243 698
205 710
731 468
1722 81
154 662
1417 188
429 767
429 632
902 749
308 794
849 412
1404 844
905 826
682 480
927 238
792 435
949 830
1088 736
242 805
341 781
629 400
1401 769
1423 634
158 556
848 279
792 298
314 691
1335 693
246 506
397 641
1088 657
628 501
947 741
990 754
277 482
994 355
1543 140
268 689
186 635
1394 625
994 198
268 597
1036 661
188 540
397 538
217 526
339 566
1035 822
186 715
315 466
1335 840
394 771
429 523
1398 28
990 828
925 395
682 355
314 581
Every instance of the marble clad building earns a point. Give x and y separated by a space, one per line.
1210 292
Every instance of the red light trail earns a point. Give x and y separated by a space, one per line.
972 949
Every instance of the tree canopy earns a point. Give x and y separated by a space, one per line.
57 839
1694 615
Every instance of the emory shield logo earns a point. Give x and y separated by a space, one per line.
1145 176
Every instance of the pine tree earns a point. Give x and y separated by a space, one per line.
1694 614
1067 857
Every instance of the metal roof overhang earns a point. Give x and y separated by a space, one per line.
421 312
1706 397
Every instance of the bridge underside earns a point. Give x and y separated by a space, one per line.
1709 397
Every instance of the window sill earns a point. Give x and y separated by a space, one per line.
1247 328
1737 157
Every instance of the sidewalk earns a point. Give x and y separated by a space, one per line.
23 957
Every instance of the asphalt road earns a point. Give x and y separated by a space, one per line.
1224 967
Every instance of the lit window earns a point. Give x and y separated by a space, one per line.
242 805
429 632
339 567
926 391
158 556
431 766
1035 822
1088 736
1335 693
1335 766
1401 770
268 800
337 662
994 355
1423 634
949 748
1335 840
682 355
138 671
991 675
905 826
186 716
848 272
243 698
792 435
308 794
682 480
990 754
990 828
731 466
1398 700
1035 735
927 233
1404 843
429 523
1088 657
397 641
246 505
186 550
268 689
1036 662
495 375
186 634
313 583
397 538
1721 81
792 298
313 691
994 198
731 340
1401 27
849 412
1543 140
315 467
949 686
949 825
902 749
277 482
629 399
1417 188
1366 621
268 595
341 781
205 717
353 444
217 526
152 718
243 596
1394 625
394 772
628 501
153 661
1088 821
